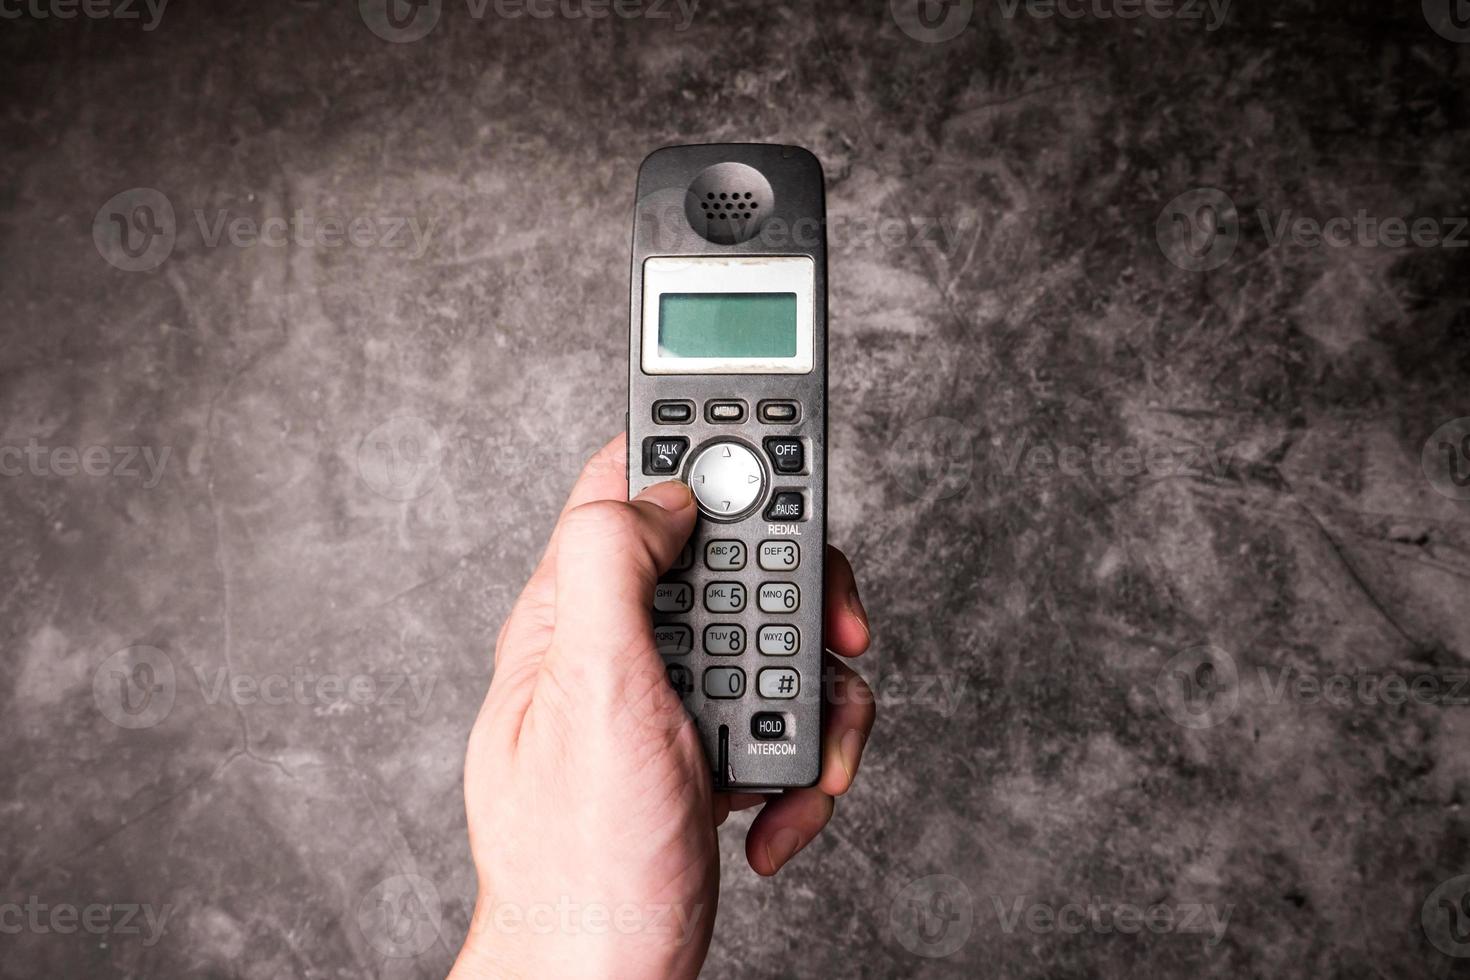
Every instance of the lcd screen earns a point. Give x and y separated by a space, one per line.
727 325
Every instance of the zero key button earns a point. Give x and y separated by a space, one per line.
724 682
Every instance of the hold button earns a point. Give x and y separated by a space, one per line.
768 725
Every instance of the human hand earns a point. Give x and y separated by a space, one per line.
591 810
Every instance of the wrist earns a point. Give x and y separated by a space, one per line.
505 943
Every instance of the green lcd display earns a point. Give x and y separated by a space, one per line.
727 324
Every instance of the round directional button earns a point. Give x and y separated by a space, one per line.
727 479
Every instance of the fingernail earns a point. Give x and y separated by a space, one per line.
851 749
855 606
782 847
670 495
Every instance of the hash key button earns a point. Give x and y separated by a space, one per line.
778 683
787 455
724 682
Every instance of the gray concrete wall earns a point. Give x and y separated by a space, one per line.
1111 497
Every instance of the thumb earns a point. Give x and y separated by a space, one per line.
609 555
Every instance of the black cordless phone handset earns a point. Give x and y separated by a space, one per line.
728 392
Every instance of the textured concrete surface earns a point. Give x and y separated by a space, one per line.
238 678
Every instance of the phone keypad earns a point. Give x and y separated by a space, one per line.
716 570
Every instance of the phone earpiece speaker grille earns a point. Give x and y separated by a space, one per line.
728 202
